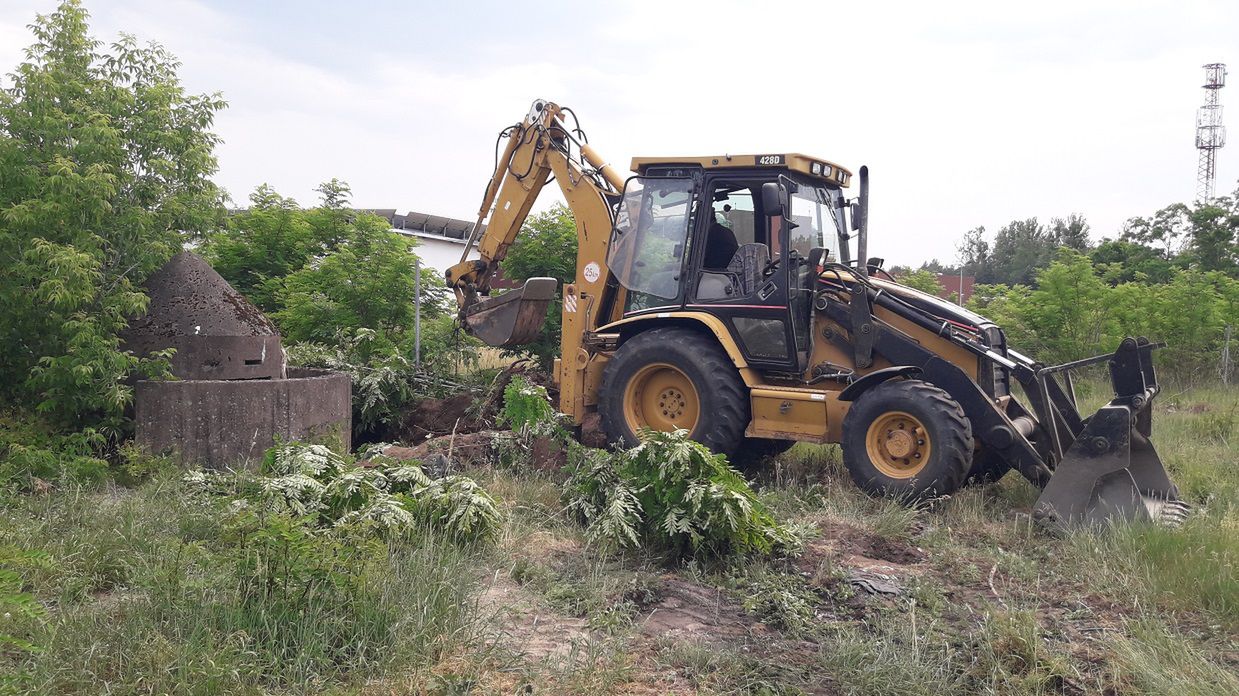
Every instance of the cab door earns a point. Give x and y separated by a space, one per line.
742 271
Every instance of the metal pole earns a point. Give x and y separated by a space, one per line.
960 300
1226 359
417 311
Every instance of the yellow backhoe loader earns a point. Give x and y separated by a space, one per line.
722 296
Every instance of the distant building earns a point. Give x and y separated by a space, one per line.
956 288
440 240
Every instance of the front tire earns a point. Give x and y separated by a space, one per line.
674 378
907 439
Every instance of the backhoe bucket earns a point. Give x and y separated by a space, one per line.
1111 472
513 318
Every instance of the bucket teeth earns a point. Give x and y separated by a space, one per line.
1171 513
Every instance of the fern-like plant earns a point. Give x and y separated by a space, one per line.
673 494
317 486
527 408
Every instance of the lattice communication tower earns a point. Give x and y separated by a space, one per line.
1210 133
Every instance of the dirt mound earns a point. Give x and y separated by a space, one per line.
891 550
688 610
454 414
462 450
468 411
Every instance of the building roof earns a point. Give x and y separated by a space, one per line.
425 224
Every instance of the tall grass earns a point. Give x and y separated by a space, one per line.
149 592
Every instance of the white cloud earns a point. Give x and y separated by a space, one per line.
967 113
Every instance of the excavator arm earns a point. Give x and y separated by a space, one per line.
540 147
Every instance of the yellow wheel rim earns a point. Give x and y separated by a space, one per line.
661 397
898 444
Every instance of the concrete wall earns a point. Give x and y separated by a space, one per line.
217 424
437 253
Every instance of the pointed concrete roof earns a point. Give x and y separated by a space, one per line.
188 298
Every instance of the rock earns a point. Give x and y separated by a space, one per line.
875 583
592 434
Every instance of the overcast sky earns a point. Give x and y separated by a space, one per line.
967 113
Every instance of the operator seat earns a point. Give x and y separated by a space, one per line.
741 277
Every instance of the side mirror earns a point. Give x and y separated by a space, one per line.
774 199
856 214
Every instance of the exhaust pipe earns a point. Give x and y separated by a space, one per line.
862 234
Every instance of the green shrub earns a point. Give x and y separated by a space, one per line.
16 604
672 494
527 408
105 159
31 451
385 380
324 490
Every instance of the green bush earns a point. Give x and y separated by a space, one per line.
323 490
385 379
105 160
527 408
367 281
674 495
32 451
1073 312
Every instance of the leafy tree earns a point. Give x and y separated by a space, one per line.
1168 230
1214 245
262 245
1122 261
1074 313
1020 249
1204 236
546 246
922 280
331 220
974 253
935 266
368 281
105 163
1071 232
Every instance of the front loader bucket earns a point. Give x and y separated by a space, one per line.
1111 472
513 318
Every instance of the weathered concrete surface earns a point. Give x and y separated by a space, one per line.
217 424
217 333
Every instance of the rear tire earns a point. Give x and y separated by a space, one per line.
671 378
907 439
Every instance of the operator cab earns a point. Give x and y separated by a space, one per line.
732 236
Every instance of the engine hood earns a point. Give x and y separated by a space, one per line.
933 304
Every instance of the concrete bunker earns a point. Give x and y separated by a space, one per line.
233 395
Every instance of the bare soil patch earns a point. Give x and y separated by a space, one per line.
687 610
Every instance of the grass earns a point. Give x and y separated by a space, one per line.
148 592
145 589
